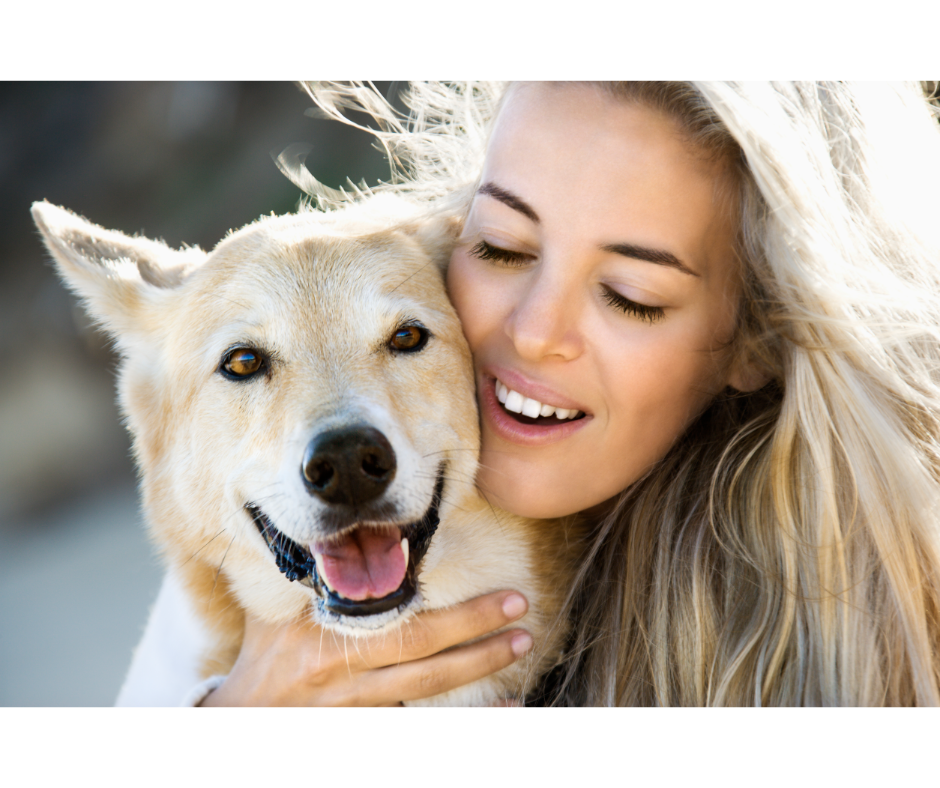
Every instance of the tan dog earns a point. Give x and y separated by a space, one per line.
301 401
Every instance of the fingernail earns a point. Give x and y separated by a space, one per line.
521 643
514 606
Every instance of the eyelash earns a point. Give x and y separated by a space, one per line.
649 314
485 251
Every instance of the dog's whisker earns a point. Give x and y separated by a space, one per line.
346 652
219 571
454 505
265 497
358 644
410 276
462 478
401 643
448 451
204 546
447 478
496 516
226 522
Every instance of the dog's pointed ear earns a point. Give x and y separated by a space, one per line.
120 278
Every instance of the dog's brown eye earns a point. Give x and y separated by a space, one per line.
409 339
242 363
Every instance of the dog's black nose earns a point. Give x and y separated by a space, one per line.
349 466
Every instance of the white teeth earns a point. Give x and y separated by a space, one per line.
513 401
404 548
318 559
531 408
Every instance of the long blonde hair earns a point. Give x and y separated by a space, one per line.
786 551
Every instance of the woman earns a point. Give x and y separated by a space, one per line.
735 289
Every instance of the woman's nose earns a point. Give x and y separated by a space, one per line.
544 320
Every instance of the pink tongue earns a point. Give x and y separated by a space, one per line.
366 564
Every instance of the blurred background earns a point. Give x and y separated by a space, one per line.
184 162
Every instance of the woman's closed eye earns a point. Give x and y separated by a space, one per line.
483 250
650 314
486 251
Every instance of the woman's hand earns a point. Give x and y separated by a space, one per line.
301 664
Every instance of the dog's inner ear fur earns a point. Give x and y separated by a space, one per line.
140 251
161 276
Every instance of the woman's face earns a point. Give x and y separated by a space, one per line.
595 275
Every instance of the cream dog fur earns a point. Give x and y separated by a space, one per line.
301 398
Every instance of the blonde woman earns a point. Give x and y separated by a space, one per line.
736 289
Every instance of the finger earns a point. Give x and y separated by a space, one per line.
325 652
436 630
441 673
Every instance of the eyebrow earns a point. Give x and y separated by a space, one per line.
649 255
657 256
510 199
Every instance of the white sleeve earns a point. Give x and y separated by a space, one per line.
164 668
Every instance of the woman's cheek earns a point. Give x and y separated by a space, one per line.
472 295
457 286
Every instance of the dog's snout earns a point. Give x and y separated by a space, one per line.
350 466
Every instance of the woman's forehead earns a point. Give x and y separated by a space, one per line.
592 116
616 171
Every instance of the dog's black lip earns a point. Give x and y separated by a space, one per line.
297 563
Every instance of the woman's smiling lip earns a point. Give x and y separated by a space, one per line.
514 431
530 388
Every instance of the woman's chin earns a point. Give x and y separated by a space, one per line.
515 492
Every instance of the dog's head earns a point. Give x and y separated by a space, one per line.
301 399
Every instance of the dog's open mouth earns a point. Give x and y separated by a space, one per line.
370 568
